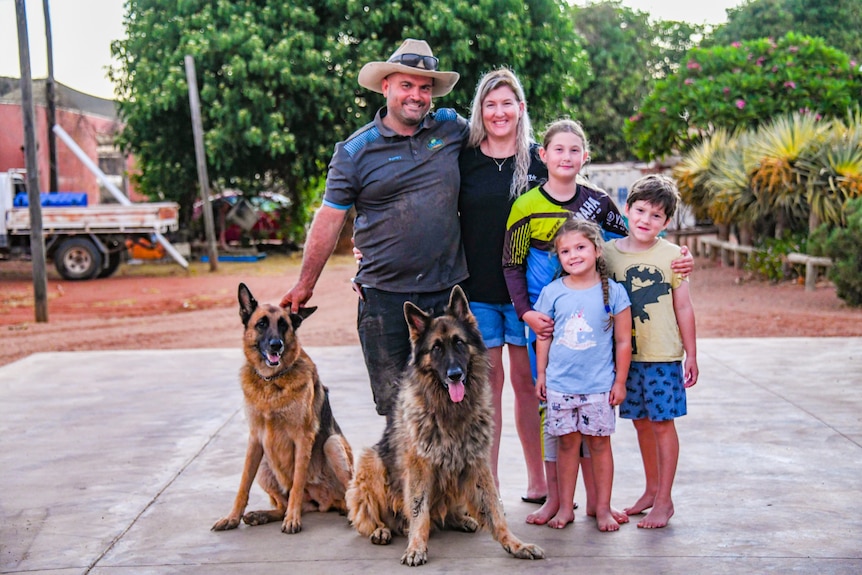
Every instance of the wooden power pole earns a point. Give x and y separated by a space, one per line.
200 155
37 239
50 101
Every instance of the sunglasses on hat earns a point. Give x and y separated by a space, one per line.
413 60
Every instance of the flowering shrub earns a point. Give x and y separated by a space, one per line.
738 87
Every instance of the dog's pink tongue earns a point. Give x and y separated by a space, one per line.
456 391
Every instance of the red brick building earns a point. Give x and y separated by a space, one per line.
91 122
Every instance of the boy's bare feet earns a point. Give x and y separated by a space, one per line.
562 518
658 517
645 502
544 513
606 522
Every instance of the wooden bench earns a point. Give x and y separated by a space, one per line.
713 247
812 263
689 236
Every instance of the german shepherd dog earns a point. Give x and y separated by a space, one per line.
432 464
295 445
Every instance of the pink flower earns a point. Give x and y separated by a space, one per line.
663 110
726 90
793 49
740 104
790 84
775 68
736 44
760 61
692 65
688 81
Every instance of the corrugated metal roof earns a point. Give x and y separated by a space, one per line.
64 97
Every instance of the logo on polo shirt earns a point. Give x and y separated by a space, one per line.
435 143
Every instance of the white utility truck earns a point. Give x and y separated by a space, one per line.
84 242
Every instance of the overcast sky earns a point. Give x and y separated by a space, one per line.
82 32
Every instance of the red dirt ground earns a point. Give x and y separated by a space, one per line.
162 306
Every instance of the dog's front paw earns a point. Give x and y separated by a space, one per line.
468 524
414 557
225 523
256 518
381 536
528 551
291 525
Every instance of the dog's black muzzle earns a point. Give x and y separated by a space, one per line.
455 374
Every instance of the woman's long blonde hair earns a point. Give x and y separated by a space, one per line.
523 134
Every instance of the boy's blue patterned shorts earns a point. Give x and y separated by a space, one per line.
654 391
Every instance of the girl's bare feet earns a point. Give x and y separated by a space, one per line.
562 518
658 517
606 522
645 502
544 513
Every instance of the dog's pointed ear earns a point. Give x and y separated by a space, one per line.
458 304
417 320
297 318
247 303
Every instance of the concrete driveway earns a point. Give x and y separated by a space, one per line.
119 462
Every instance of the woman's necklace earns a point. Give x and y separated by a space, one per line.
499 164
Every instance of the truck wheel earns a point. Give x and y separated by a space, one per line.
78 259
116 250
114 261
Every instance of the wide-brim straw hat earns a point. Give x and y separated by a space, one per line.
412 57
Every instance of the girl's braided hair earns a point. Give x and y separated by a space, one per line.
590 230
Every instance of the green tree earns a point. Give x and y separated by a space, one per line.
740 86
259 66
838 22
278 79
628 54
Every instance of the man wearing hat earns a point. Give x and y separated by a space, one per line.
401 174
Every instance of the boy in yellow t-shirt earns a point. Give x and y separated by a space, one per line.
664 351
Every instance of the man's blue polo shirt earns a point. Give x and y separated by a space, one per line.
405 190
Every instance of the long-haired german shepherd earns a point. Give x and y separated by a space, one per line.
432 464
294 444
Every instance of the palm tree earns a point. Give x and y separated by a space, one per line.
771 159
834 172
693 176
733 199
